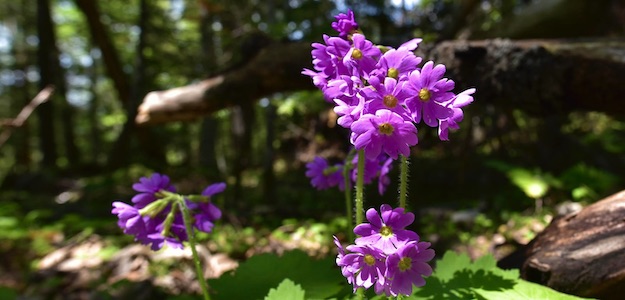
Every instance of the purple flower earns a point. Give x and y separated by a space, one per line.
344 87
410 45
461 100
206 213
322 176
386 255
406 267
148 187
430 94
389 94
130 220
348 112
346 270
345 24
367 263
397 63
385 131
362 56
387 232
155 218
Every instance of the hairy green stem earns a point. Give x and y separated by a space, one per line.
403 182
348 201
360 196
186 216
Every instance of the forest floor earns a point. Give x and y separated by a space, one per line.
93 266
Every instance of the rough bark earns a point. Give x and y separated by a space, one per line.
582 253
539 76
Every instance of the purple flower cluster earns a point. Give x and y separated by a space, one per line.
381 93
151 220
324 176
386 255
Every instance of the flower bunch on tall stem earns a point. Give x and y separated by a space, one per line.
380 94
159 216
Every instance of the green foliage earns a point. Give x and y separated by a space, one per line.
286 290
456 277
294 275
319 278
7 293
534 183
587 182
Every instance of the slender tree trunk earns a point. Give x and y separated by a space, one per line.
209 131
45 112
21 141
119 155
94 128
112 63
269 177
72 154
242 118
270 115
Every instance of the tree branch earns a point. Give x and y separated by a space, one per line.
10 124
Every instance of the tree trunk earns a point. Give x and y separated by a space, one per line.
269 177
153 153
112 63
242 118
95 138
45 112
582 253
57 77
209 130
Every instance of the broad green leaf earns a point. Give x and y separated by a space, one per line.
253 278
525 290
7 293
456 277
286 290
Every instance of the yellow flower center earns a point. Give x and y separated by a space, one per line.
405 264
425 95
392 72
386 231
369 259
386 129
390 101
356 54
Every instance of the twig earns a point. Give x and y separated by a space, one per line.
10 124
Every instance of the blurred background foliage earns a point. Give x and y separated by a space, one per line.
503 171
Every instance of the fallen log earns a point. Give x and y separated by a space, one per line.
541 77
582 253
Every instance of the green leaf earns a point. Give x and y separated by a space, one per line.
286 290
253 278
456 277
532 182
525 290
7 293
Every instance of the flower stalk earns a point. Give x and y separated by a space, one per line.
403 181
360 195
186 216
348 201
